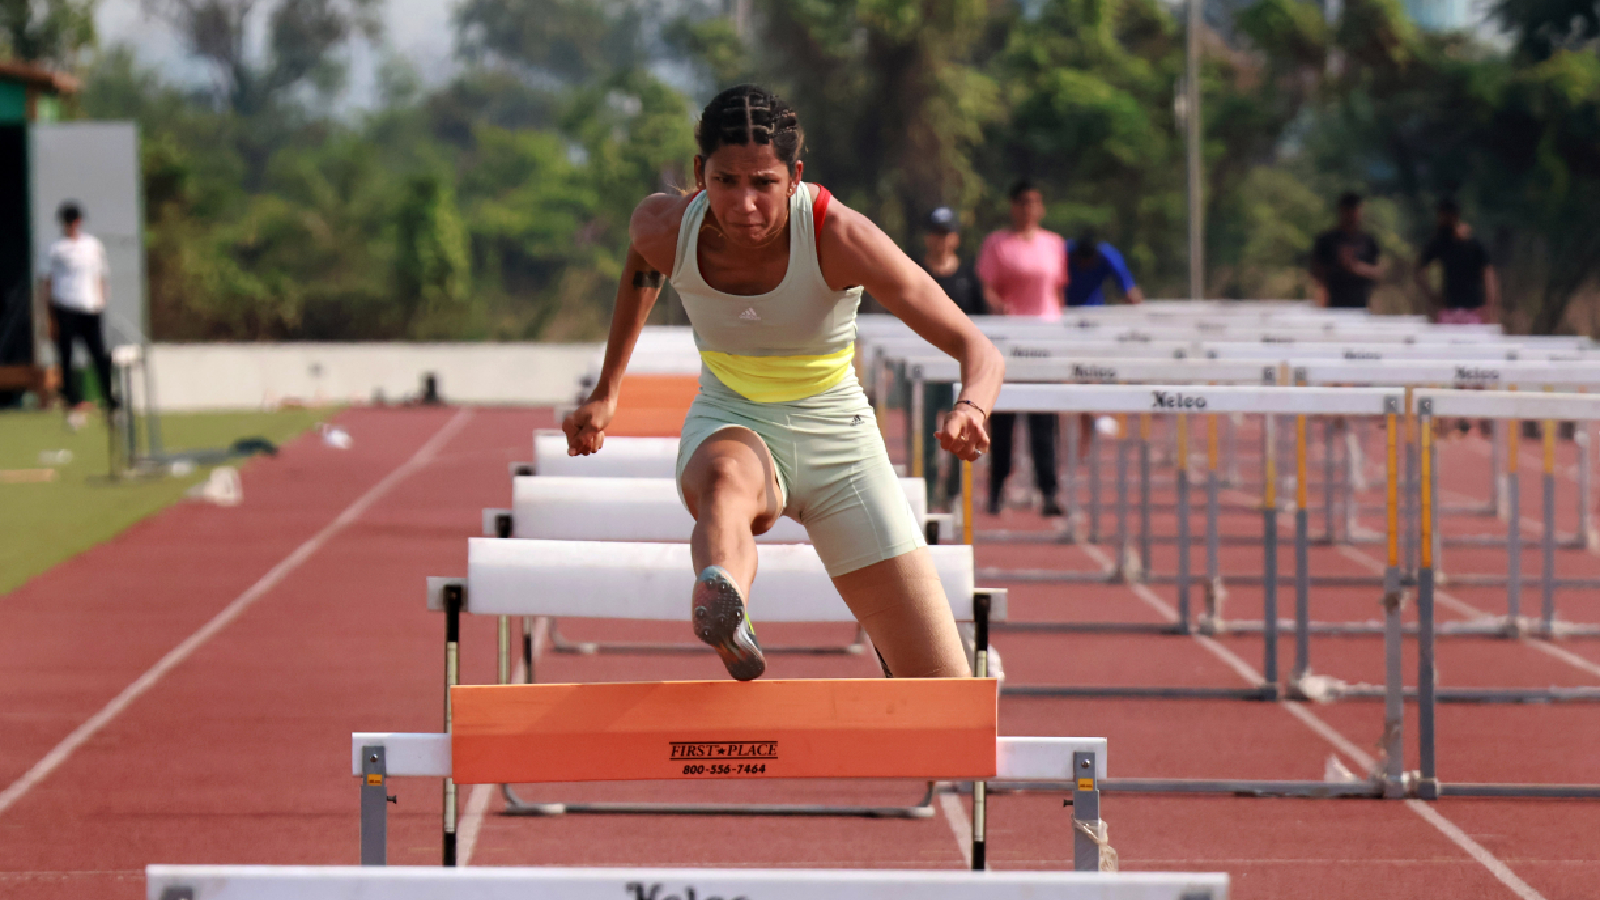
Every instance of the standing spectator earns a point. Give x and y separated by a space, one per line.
1024 270
1470 292
941 241
1344 260
75 286
1090 261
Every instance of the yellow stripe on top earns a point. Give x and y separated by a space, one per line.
779 379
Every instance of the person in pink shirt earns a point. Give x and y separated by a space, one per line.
1024 272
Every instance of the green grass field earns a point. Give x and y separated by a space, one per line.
45 522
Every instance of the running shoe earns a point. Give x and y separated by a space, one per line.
720 620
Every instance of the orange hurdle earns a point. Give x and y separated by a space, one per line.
835 728
653 405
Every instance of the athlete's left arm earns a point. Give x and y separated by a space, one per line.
854 251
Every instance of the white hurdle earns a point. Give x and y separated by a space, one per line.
1181 401
556 579
558 507
622 457
1547 408
648 510
362 883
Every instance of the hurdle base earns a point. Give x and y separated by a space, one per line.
1508 790
1263 788
1259 692
516 806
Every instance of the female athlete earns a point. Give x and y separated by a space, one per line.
771 270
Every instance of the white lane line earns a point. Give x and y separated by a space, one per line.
472 822
59 754
1474 849
1328 733
955 815
1445 598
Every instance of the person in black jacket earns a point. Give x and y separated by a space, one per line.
941 242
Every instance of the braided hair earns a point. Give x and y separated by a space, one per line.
747 114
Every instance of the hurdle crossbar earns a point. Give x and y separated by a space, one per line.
415 883
820 728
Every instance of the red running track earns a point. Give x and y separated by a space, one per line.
236 752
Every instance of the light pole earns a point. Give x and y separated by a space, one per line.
1191 109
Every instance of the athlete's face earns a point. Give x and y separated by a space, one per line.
748 189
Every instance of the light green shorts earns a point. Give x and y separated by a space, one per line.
834 474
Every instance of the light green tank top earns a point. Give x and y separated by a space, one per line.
792 342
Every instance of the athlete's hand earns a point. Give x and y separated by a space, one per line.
964 432
586 426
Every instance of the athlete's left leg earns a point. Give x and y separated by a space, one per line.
901 604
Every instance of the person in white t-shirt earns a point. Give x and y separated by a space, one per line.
75 285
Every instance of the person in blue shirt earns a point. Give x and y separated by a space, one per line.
1090 261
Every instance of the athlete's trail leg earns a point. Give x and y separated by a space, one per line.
902 605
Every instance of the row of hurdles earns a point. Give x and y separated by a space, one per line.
1409 519
941 731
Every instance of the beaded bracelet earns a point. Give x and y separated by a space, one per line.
974 406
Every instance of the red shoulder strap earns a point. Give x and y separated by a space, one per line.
819 212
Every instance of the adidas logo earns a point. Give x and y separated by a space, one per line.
749 315
856 420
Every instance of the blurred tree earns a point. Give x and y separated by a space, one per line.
47 31
303 40
431 264
1541 27
565 42
888 92
1088 86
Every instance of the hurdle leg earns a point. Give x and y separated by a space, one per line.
1182 475
375 801
454 601
1547 613
1144 496
1215 592
1269 577
1394 703
1503 429
980 790
1302 556
1127 565
1584 438
1328 487
1428 786
527 650
1232 428
1513 483
1350 473
1070 482
1094 486
1408 510
1088 830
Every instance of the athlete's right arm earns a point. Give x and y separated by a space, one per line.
652 244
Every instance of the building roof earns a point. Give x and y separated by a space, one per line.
39 77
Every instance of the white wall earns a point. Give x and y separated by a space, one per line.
248 376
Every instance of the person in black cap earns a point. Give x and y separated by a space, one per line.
941 242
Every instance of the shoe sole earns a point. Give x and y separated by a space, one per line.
719 620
